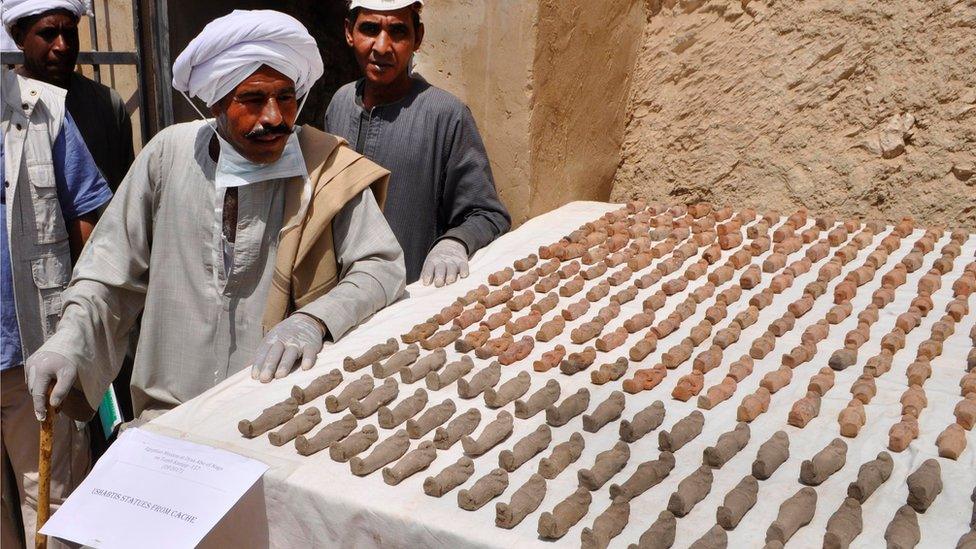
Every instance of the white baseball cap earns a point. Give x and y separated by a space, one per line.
383 5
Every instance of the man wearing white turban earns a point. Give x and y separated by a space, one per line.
243 240
46 31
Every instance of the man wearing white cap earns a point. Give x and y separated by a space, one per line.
46 31
441 204
243 240
51 190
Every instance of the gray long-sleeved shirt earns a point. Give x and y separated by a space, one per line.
440 183
157 250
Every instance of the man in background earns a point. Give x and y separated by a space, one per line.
51 190
47 32
442 204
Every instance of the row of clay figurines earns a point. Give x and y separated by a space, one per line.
412 370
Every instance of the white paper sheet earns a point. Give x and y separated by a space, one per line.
313 500
150 490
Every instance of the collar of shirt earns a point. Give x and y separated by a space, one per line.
418 82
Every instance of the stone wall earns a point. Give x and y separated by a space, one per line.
863 107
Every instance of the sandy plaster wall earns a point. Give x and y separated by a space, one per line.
482 52
583 65
859 107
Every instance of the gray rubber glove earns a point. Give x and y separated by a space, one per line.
447 260
296 337
44 368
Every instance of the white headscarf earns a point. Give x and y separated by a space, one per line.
232 47
12 10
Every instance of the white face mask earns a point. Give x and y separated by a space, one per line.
234 170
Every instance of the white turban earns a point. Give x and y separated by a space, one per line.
232 47
12 10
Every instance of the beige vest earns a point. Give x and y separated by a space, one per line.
305 265
32 116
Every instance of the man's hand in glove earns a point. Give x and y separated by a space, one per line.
296 337
44 368
447 260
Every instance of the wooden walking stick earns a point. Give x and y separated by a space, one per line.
44 473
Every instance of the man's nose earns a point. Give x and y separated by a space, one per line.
383 44
60 44
271 114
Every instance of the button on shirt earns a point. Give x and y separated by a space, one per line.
81 190
441 184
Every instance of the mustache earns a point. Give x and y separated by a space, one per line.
261 131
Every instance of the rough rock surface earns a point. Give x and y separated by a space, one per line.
861 107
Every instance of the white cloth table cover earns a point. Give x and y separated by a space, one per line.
314 501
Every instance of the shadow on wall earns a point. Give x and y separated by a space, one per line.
324 20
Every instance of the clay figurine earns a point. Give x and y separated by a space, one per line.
727 446
771 455
380 396
388 451
419 370
493 434
411 463
844 525
691 490
683 432
375 353
647 475
450 478
525 500
607 464
538 401
525 449
555 524
737 503
714 538
354 444
607 525
398 361
269 418
407 408
824 463
509 391
318 387
562 456
643 422
549 359
951 441
419 332
298 425
483 490
605 412
570 407
463 425
431 419
661 533
326 436
870 476
481 380
924 485
449 374
903 530
796 512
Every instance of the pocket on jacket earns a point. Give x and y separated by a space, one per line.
51 276
47 210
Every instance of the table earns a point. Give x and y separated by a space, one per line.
305 501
